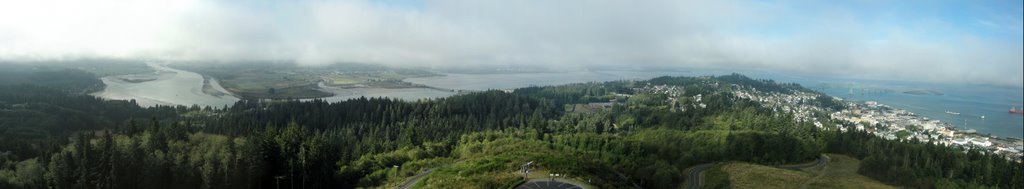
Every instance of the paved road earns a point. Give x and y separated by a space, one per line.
624 178
544 183
822 161
412 180
694 175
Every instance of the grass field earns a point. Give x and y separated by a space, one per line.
495 164
273 84
841 172
745 175
336 80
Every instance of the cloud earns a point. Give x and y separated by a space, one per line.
809 37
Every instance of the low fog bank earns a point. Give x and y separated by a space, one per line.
843 39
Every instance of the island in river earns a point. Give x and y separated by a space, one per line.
290 81
173 86
165 86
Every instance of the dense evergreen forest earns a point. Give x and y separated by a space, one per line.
53 138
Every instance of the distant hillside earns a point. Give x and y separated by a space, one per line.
30 114
73 76
67 80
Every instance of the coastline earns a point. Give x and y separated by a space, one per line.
890 122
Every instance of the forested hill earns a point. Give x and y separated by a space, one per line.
66 80
74 77
32 115
613 135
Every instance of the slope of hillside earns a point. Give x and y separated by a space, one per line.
840 172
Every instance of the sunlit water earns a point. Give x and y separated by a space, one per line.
970 101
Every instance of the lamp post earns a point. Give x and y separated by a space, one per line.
278 179
526 170
395 170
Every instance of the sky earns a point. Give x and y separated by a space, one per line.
935 41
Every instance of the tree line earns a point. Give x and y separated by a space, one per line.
376 142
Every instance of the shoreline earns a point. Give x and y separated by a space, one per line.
168 87
212 87
140 101
888 122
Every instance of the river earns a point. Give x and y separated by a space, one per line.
169 87
179 87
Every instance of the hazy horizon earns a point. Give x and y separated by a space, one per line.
941 42
525 94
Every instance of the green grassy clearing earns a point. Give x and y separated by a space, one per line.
745 175
840 173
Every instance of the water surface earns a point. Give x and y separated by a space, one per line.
171 87
971 101
179 87
408 94
519 80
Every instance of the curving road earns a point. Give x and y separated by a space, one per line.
416 178
822 161
695 173
624 178
412 180
545 183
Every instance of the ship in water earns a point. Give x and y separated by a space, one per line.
952 112
1014 110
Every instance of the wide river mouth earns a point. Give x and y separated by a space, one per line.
169 86
165 86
